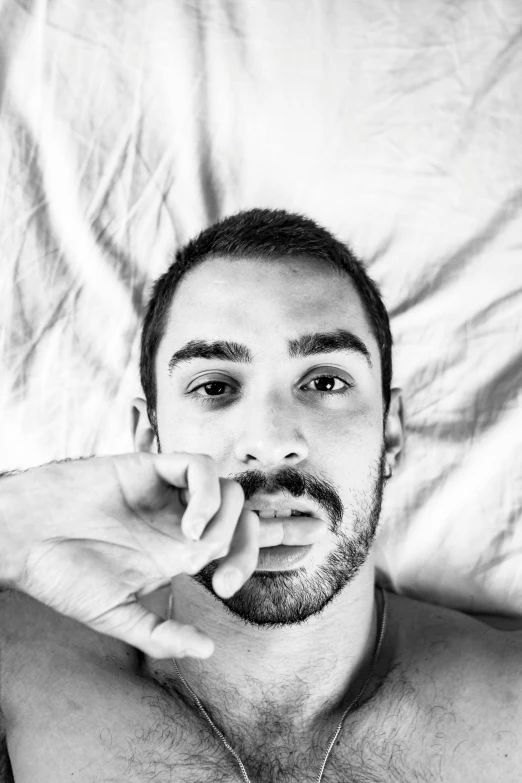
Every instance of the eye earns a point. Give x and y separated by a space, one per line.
330 384
211 389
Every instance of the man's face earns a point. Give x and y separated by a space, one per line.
289 421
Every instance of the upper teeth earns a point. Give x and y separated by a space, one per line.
272 514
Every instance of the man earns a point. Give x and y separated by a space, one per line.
267 348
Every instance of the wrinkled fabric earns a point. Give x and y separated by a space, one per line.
126 127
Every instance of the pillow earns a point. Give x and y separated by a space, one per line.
126 128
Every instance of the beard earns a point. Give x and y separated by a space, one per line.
281 598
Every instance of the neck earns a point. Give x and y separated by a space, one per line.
305 673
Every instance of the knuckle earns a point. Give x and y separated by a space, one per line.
195 566
207 467
198 559
207 462
222 550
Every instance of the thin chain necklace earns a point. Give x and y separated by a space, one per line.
345 713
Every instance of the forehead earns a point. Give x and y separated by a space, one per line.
225 298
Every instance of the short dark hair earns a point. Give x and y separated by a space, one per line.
261 234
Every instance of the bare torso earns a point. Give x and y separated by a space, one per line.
79 706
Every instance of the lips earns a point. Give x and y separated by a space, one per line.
282 558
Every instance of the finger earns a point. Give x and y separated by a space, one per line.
241 561
148 632
218 534
200 478
291 531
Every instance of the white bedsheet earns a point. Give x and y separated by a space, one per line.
126 127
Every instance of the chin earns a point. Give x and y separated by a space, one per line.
289 597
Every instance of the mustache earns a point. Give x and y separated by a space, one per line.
297 484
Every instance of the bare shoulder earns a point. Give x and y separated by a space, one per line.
467 676
37 641
26 623
458 639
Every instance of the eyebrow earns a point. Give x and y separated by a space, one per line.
298 348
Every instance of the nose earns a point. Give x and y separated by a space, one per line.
270 435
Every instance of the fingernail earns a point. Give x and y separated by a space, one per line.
197 527
203 651
232 579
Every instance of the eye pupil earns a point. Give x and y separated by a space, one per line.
213 384
330 382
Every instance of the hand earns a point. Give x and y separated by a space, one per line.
89 537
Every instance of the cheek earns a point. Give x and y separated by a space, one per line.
347 450
186 434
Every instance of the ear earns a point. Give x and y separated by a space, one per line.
394 431
143 435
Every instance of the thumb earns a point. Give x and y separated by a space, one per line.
156 637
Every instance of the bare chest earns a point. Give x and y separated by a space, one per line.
103 725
